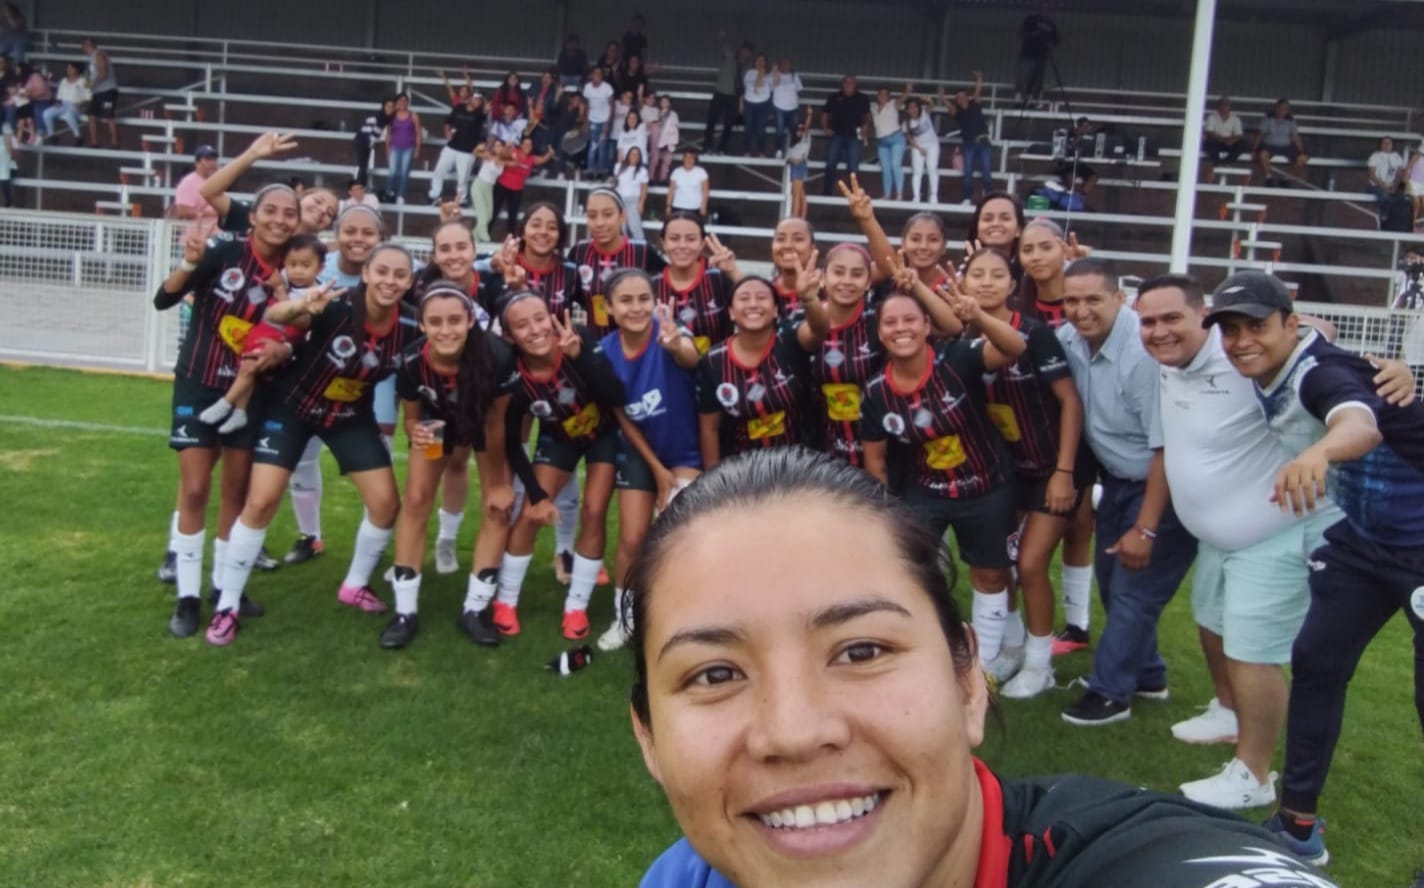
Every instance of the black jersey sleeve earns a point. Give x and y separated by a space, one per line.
518 457
215 254
1046 353
707 382
653 261
966 358
407 376
238 218
593 366
872 413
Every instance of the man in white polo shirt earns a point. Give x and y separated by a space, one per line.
1250 590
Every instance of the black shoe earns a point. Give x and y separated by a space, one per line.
246 608
1094 709
184 621
400 631
479 628
304 549
1419 879
265 562
168 570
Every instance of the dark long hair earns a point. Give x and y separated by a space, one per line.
475 380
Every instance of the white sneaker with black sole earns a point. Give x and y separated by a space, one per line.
1233 787
1216 724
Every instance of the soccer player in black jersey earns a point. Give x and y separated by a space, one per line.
793 242
231 282
699 287
605 251
326 391
928 436
1035 406
318 205
754 390
922 242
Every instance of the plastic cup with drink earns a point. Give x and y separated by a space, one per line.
436 428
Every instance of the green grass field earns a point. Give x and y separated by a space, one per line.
305 755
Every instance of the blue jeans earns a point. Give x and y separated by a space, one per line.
977 159
600 148
399 175
841 148
785 122
891 152
754 118
1127 657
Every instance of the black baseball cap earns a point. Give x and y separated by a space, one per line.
1251 293
205 151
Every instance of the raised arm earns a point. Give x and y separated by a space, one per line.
299 312
214 189
1351 432
863 212
812 330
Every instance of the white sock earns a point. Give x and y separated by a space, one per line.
235 420
584 577
567 503
370 546
172 529
449 524
305 488
215 413
243 545
219 557
622 604
478 594
1038 652
989 612
1077 594
1014 632
188 547
407 594
511 577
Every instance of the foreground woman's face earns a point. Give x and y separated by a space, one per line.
806 723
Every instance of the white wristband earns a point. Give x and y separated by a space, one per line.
187 266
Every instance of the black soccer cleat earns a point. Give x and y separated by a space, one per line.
400 631
168 570
479 628
184 622
303 550
246 609
264 561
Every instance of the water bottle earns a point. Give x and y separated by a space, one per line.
1100 144
571 660
1060 143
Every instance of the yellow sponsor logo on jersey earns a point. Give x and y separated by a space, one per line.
582 424
703 343
842 401
344 390
943 454
1003 418
233 330
770 426
600 311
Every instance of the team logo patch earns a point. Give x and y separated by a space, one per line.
567 395
232 280
833 357
370 360
257 294
842 401
756 391
582 424
541 409
923 418
944 454
1416 602
1002 415
342 348
773 425
893 423
586 275
727 395
687 315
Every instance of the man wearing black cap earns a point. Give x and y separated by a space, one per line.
1321 404
188 202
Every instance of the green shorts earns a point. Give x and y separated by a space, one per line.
191 399
564 455
1256 598
356 443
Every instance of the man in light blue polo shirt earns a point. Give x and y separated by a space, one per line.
1142 551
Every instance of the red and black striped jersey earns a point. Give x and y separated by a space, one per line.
484 290
841 368
595 267
788 301
767 404
939 433
231 289
335 369
574 402
559 286
1049 313
703 308
1021 400
437 392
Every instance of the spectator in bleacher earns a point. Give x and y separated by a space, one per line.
402 144
722 109
611 61
786 89
924 149
519 162
974 134
648 113
689 187
598 93
1038 36
15 36
1279 136
572 64
509 127
458 94
482 191
510 92
371 133
104 90
71 95
634 135
357 196
568 122
464 129
668 137
38 95
631 183
1224 138
631 76
1414 179
845 118
12 93
755 105
7 164
635 42
1386 169
889 141
797 157
188 201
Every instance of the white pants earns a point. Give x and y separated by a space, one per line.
452 161
922 163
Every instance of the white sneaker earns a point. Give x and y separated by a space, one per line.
1006 664
614 638
1216 724
1029 682
445 560
1234 787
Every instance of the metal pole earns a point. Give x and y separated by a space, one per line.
1191 136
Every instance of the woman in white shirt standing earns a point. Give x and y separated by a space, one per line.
1386 170
631 183
668 137
785 101
890 143
689 186
924 149
756 106
633 135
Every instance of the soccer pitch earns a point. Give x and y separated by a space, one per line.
305 755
